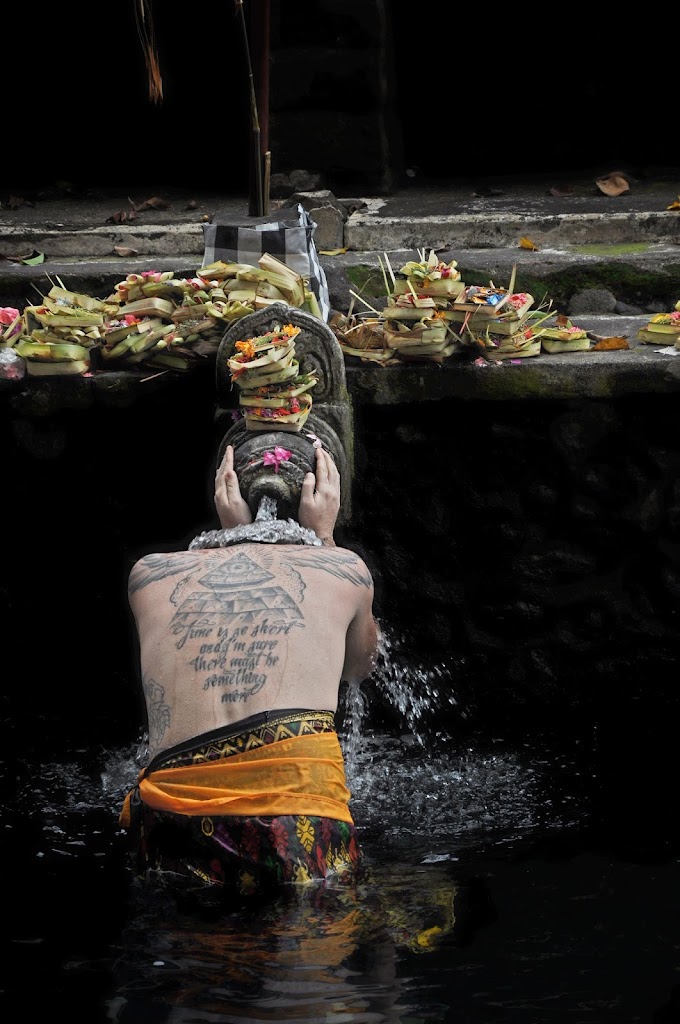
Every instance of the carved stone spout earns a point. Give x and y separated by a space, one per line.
280 481
330 420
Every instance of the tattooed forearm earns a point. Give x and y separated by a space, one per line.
158 567
341 564
158 712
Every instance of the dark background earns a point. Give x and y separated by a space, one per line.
467 93
88 491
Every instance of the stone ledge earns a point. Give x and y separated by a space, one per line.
642 370
364 232
568 376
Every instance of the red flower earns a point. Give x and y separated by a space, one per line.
276 457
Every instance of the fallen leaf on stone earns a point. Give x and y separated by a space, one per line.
14 202
154 203
123 250
33 258
675 205
331 252
526 243
612 184
609 344
561 190
121 217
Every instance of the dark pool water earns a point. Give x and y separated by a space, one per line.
528 882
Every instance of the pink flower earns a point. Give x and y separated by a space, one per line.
8 315
276 457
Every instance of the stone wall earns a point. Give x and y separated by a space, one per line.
530 551
370 94
332 92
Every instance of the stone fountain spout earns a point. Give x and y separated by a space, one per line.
330 421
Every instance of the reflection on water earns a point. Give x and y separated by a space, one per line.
318 953
388 948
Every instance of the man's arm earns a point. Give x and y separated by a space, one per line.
362 642
319 507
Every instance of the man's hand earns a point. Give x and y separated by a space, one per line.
320 498
232 508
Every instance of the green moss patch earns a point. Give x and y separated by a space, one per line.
614 250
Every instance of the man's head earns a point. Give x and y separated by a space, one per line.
271 464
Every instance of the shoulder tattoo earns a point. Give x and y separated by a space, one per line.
344 565
153 568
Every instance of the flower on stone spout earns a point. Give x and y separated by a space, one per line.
276 457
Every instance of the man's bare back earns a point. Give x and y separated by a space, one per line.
231 632
243 645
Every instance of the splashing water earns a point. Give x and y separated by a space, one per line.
414 691
414 778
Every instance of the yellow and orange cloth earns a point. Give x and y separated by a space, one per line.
299 775
245 809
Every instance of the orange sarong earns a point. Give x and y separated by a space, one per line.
299 775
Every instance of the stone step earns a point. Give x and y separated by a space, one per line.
626 246
361 232
576 281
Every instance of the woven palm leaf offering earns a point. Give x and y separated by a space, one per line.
53 358
428 276
514 334
362 336
262 285
416 323
518 346
494 322
428 338
273 394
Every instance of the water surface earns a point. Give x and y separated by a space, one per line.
494 891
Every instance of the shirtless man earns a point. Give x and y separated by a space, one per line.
243 648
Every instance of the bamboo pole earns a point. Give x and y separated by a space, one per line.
266 184
256 195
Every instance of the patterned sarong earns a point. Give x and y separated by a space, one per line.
245 809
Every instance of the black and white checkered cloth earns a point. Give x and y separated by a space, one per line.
289 240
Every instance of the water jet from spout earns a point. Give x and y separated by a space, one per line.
267 510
